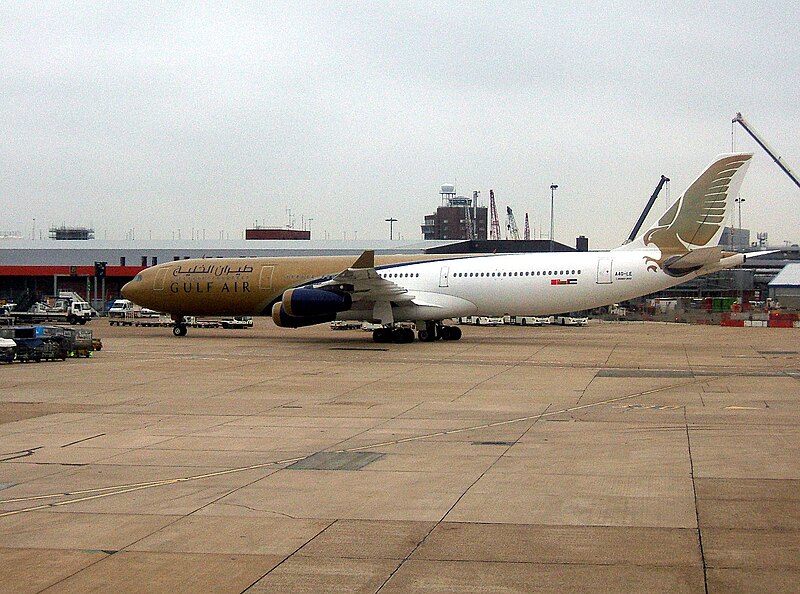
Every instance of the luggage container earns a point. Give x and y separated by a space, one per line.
30 349
8 350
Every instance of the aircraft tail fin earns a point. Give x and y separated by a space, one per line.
697 217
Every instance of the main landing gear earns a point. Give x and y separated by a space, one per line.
433 330
179 328
429 331
397 335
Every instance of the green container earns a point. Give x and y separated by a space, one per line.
722 303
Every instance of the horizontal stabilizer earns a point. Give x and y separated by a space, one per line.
695 259
751 255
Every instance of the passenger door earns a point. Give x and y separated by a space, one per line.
158 281
265 278
444 276
604 271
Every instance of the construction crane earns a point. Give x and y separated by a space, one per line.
468 222
664 179
469 219
763 144
527 233
494 230
511 225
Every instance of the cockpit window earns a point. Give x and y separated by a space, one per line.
138 277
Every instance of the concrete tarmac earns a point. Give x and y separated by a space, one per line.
611 458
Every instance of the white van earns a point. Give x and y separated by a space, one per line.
482 320
124 308
527 320
570 320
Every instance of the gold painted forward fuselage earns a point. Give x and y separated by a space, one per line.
236 286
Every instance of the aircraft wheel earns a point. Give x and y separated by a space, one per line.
402 335
179 330
382 335
430 333
451 333
424 336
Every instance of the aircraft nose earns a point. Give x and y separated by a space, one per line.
126 290
133 290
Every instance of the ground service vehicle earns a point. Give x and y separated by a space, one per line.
45 343
123 312
76 312
8 350
570 320
237 322
526 320
482 320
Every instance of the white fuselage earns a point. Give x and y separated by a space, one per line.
530 284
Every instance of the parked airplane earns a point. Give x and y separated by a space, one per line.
427 289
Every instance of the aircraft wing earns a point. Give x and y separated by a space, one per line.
363 283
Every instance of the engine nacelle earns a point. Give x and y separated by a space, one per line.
284 320
306 307
314 302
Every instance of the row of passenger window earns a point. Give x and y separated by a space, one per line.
526 273
489 274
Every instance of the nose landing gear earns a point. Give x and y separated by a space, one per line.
179 329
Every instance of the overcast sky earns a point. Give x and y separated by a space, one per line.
164 116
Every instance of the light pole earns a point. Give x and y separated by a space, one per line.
391 222
739 201
552 200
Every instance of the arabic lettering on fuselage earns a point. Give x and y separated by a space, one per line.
212 269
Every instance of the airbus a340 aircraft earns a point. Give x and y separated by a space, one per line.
428 289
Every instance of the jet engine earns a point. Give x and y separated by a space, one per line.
306 307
